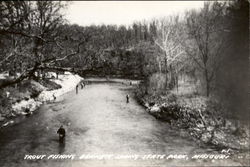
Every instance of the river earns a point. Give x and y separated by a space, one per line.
98 121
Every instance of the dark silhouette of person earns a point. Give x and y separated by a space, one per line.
61 131
82 85
127 97
77 89
54 97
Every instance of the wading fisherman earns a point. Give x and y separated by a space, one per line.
61 131
82 85
127 97
77 89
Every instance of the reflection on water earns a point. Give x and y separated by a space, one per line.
61 147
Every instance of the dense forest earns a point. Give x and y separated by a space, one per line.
208 48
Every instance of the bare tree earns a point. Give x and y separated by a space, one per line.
32 26
205 40
167 36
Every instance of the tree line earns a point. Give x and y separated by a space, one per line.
209 44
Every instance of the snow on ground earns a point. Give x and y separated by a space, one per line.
68 81
31 104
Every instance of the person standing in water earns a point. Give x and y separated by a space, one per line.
77 89
61 131
82 85
127 97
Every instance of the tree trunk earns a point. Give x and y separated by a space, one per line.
177 86
207 83
166 71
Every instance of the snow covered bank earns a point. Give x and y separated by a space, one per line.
30 104
68 81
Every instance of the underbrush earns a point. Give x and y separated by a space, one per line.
202 117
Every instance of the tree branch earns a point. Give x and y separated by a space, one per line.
24 75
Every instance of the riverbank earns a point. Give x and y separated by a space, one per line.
26 97
98 121
198 115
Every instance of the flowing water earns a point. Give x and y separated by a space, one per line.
98 121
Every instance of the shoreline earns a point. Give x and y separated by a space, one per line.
67 82
211 131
